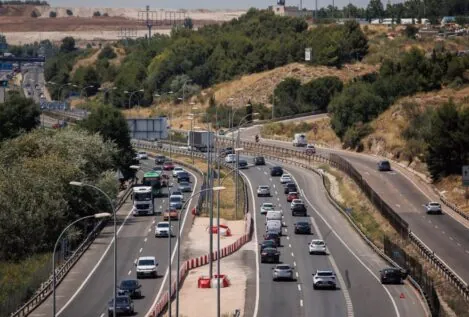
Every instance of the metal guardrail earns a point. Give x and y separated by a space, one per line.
62 271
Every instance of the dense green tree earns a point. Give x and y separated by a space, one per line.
285 97
375 9
18 115
52 14
107 52
316 94
68 44
188 24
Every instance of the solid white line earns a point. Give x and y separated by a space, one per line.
299 287
174 250
274 187
95 267
301 302
286 230
256 305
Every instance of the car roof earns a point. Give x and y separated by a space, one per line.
270 249
164 222
147 258
433 203
286 174
317 240
293 193
324 272
283 266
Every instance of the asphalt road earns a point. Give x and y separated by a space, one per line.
447 237
355 264
136 239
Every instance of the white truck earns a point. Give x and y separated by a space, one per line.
300 139
142 197
201 141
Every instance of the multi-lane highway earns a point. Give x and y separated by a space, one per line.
445 235
356 265
136 238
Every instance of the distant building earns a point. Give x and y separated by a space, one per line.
282 10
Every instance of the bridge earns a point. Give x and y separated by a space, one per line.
14 59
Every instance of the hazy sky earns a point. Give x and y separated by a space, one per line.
196 4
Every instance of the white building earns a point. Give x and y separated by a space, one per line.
285 11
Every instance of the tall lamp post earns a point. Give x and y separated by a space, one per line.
105 91
178 241
170 121
96 216
60 89
131 93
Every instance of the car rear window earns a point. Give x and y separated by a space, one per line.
164 225
283 267
146 262
325 274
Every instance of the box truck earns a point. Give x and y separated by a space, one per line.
201 141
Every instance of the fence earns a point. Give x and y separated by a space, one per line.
299 158
62 271
192 263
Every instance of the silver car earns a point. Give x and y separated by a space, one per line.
282 272
324 279
317 247
263 190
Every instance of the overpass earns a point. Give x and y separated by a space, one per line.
14 59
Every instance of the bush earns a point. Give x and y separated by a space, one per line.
34 14
107 52
96 14
52 14
354 135
410 31
69 12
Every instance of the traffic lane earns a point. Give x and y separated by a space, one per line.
275 298
324 302
357 249
452 237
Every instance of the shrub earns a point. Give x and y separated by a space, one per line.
69 12
96 14
107 52
52 14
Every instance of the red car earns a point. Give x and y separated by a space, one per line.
292 195
173 213
168 166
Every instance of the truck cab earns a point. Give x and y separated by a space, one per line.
300 139
142 197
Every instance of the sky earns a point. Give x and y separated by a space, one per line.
197 4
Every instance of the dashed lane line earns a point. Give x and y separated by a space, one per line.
299 287
301 302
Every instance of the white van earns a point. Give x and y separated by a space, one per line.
274 226
273 215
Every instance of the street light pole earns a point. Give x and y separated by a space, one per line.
54 281
114 211
210 200
170 267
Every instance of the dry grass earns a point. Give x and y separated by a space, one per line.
87 61
453 190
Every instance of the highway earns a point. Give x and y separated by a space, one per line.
356 265
134 240
446 236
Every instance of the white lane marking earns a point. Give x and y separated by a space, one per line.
296 273
288 238
270 179
294 264
145 240
276 192
280 205
299 287
155 220
398 206
256 306
467 251
278 198
289 245
141 249
301 302
436 227
459 244
292 255
265 172
102 315
443 232
274 185
130 272
174 250
163 199
451 238
286 230
149 229
72 298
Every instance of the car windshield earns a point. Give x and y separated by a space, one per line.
168 163
302 224
146 262
176 193
268 205
142 152
293 193
435 204
164 225
175 199
318 243
122 300
263 187
142 196
178 168
283 267
160 157
129 283
286 176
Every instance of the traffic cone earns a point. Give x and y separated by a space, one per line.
402 295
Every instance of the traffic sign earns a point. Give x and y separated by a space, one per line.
3 46
6 66
465 175
309 152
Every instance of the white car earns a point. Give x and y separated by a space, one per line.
324 279
263 190
296 202
177 170
285 178
311 147
163 229
146 266
433 208
142 155
230 158
317 246
265 207
176 194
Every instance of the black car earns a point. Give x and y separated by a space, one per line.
124 306
393 275
290 187
268 244
303 227
298 210
259 160
272 236
384 166
276 171
158 169
242 164
160 159
183 177
131 288
226 151
270 255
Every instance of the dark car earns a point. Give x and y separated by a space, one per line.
124 306
302 227
276 171
259 160
185 187
384 166
226 151
183 177
290 187
131 288
157 169
298 210
393 275
168 166
160 159
268 244
272 236
270 255
242 164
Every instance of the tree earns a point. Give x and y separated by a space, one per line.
285 97
107 52
410 31
69 12
112 126
316 94
188 24
18 115
96 14
68 44
375 9
34 14
52 14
